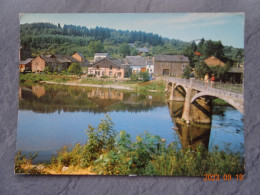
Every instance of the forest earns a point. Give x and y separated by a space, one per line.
47 38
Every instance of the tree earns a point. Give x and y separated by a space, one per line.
95 46
75 68
144 76
124 49
201 69
186 72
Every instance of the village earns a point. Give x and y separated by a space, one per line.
104 66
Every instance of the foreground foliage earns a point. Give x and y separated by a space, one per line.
111 153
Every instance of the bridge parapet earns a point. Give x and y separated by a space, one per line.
216 88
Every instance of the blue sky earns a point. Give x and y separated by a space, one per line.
226 27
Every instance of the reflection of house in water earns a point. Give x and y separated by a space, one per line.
189 135
104 97
38 90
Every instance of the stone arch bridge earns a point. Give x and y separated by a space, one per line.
198 96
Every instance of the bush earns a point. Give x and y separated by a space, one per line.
75 68
91 75
186 72
134 77
104 76
144 76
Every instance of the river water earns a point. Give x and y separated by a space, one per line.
52 116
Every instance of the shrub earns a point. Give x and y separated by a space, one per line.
91 75
74 68
104 76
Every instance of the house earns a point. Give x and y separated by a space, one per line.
25 65
81 59
235 75
150 66
137 64
142 50
214 61
54 62
170 65
109 67
99 56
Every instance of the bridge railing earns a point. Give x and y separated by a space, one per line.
233 90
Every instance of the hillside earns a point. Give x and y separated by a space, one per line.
47 38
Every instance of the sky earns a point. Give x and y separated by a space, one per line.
226 27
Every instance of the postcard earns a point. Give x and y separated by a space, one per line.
131 94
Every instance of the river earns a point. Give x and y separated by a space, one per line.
52 116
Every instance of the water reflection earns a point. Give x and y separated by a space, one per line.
48 99
52 116
189 135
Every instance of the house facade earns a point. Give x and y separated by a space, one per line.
80 59
170 65
139 64
109 67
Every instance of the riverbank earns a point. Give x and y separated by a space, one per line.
107 152
88 85
74 80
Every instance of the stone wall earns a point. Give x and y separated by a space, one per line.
174 68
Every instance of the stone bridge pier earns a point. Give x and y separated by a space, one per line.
198 111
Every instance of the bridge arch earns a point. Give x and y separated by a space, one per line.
237 105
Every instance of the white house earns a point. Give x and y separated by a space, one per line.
139 64
99 56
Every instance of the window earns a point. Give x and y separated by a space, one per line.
118 68
110 73
151 70
103 72
110 67
183 66
97 67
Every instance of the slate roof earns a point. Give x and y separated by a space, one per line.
114 61
101 54
236 70
48 58
70 58
135 60
28 60
60 58
171 58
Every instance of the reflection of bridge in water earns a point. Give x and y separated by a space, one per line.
197 97
189 135
190 107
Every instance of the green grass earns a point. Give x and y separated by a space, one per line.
35 78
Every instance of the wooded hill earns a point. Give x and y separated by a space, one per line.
47 38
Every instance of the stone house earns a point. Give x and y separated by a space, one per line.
54 62
80 59
99 56
109 67
170 65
